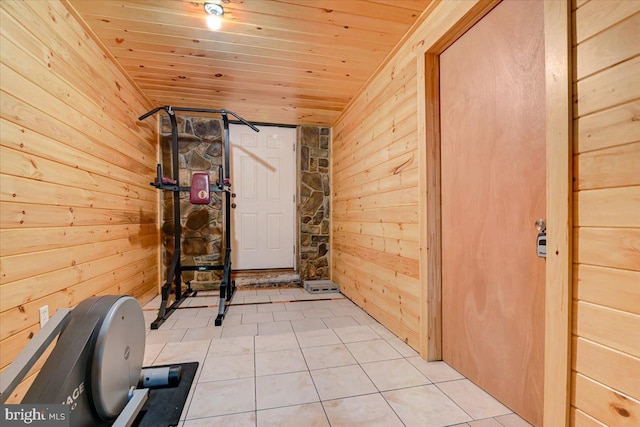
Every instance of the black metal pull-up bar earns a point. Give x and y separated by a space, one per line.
174 274
169 108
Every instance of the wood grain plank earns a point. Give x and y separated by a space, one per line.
288 49
580 419
17 267
603 403
384 101
399 152
315 36
94 53
251 75
78 62
19 340
361 296
23 291
388 160
405 249
26 313
383 293
406 266
35 144
615 126
608 247
134 288
386 276
301 18
394 127
405 214
41 76
399 172
399 230
608 88
23 113
607 366
19 215
20 190
21 241
403 197
611 47
400 12
20 165
610 167
579 3
598 15
617 329
610 287
209 59
608 207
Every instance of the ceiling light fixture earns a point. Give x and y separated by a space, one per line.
215 11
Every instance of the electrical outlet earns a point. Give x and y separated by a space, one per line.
44 315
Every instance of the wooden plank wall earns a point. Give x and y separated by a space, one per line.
77 215
375 179
606 305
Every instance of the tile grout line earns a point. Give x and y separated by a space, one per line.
309 370
255 382
374 384
451 399
196 380
312 380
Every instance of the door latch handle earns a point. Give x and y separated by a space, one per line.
541 239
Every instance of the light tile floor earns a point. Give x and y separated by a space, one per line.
289 358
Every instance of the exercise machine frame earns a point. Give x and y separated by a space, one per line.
88 337
174 274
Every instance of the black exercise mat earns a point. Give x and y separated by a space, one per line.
164 405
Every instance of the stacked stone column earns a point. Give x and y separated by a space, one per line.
314 207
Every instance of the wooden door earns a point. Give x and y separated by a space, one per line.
263 178
493 190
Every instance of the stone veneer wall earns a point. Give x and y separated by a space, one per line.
201 150
200 143
314 208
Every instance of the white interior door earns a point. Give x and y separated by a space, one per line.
263 179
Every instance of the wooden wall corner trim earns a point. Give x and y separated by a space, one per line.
430 212
434 211
557 18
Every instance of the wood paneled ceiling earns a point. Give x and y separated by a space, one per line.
273 61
